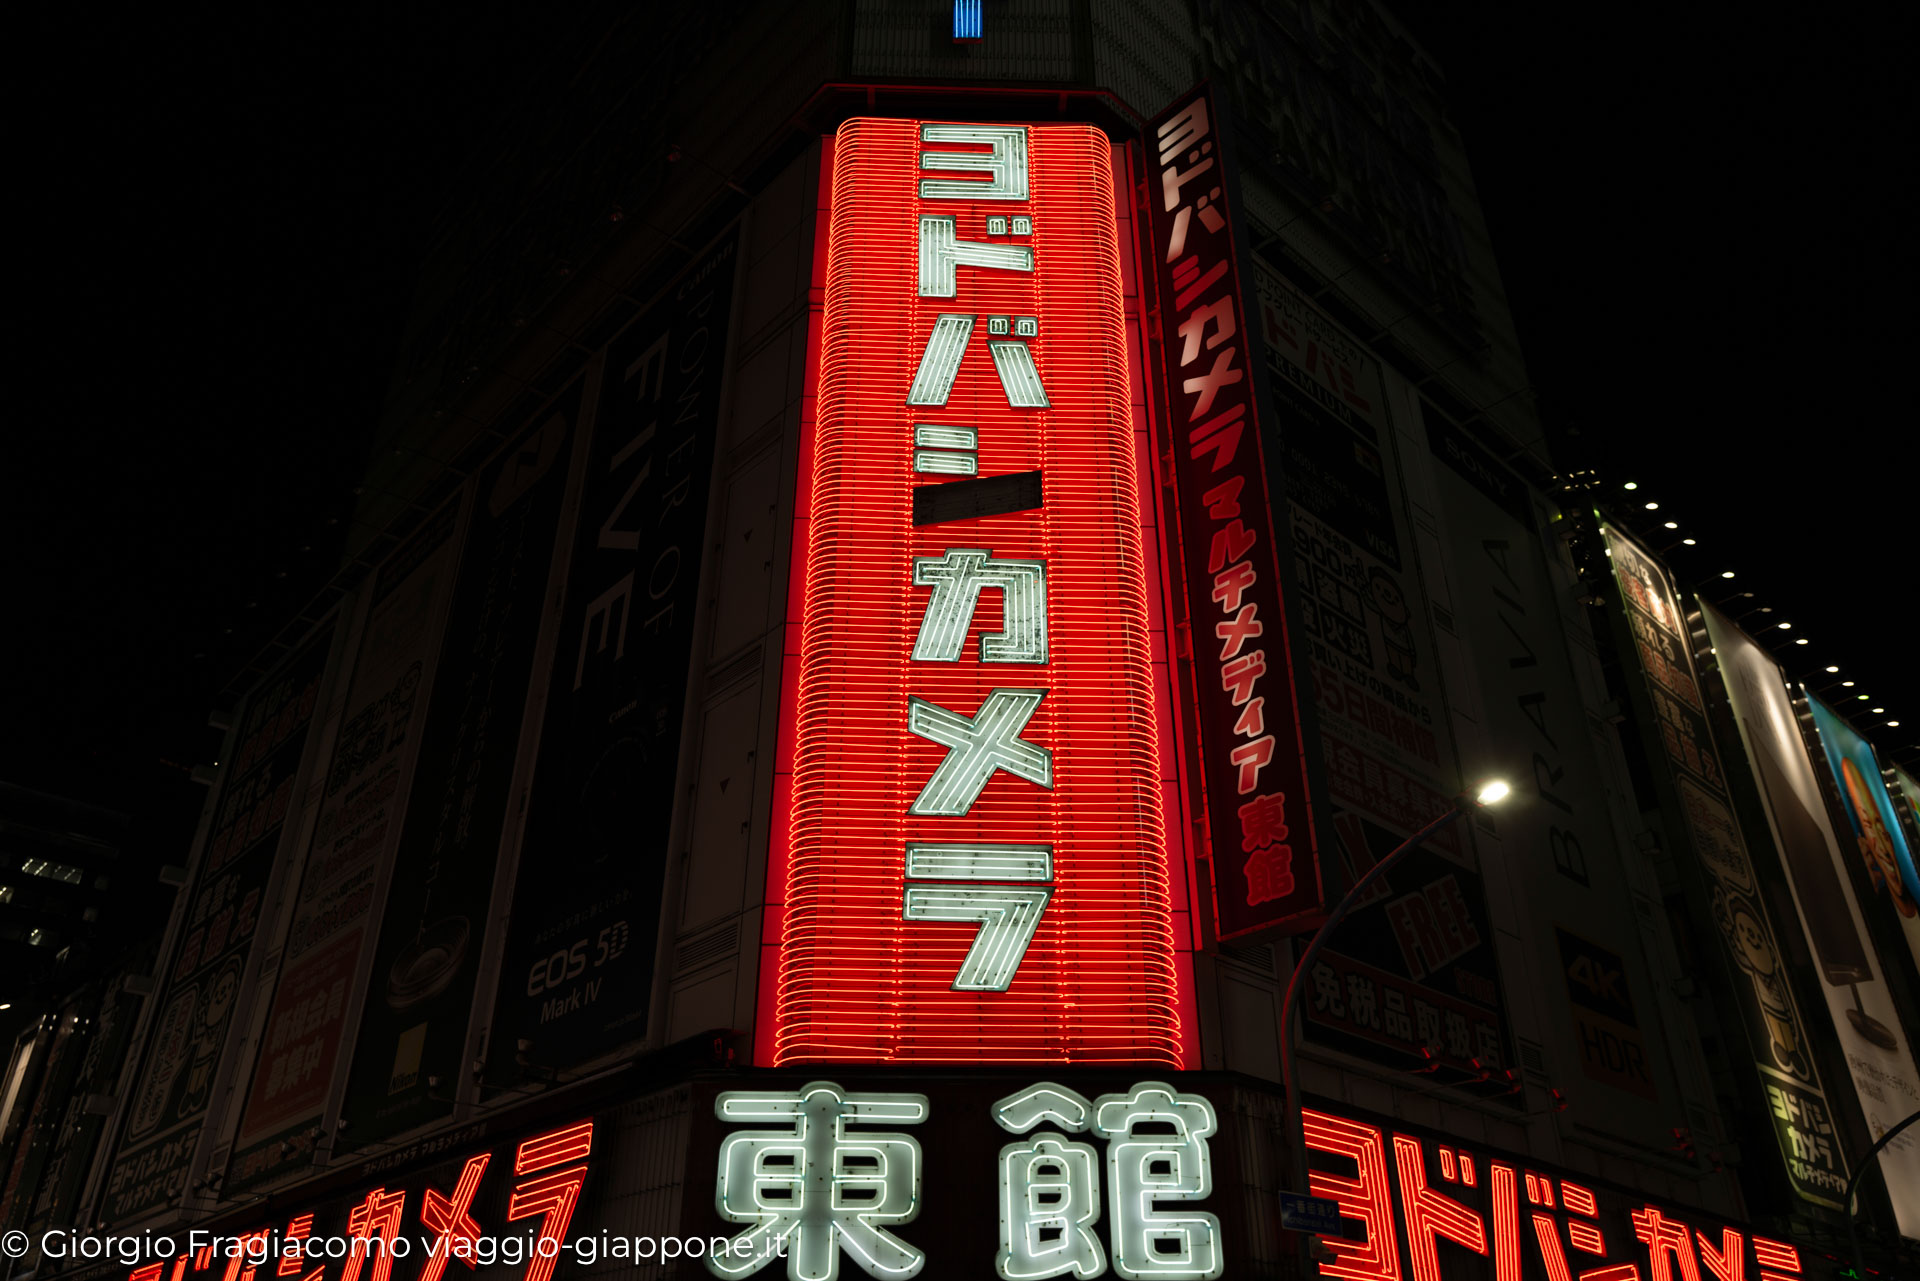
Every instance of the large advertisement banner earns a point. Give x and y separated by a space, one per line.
1863 1013
77 1141
1413 972
1879 839
578 971
1555 836
1776 1034
168 1107
975 866
352 840
1252 754
412 1039
1908 803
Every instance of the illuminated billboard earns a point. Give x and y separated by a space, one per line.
1694 785
1864 1015
1878 836
973 865
353 836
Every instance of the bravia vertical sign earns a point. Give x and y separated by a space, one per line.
975 866
1252 763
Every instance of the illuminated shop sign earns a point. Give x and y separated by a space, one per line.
975 863
822 1180
405 1232
1100 1174
1421 1209
1251 754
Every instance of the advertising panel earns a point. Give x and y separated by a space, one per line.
33 1139
1413 969
1908 802
1776 1035
412 1036
77 1141
168 1107
1879 840
1261 847
1350 117
1863 1012
352 840
578 970
1554 836
975 866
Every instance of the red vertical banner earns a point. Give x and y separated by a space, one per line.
973 865
1252 764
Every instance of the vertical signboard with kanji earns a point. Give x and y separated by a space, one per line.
577 976
1251 764
358 824
974 861
1749 943
412 1038
168 1107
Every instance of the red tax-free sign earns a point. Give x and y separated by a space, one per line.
972 865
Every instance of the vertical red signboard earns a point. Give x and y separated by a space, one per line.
1252 766
973 865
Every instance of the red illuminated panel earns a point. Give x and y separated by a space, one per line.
556 1147
1367 1197
454 1230
1774 1254
859 977
1431 1214
378 1216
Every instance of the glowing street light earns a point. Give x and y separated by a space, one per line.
1492 792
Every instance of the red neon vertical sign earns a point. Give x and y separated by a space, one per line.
975 863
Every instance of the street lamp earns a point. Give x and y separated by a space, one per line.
1490 792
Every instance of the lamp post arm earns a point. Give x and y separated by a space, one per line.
1860 1168
1288 1068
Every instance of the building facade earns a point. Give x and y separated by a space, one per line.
904 577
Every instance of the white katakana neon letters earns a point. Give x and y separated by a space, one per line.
957 578
1147 1166
945 451
1006 164
1012 360
988 741
1008 916
1049 1188
942 253
815 1187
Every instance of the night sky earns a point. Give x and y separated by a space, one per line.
1694 215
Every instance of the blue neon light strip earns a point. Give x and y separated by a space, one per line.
968 22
